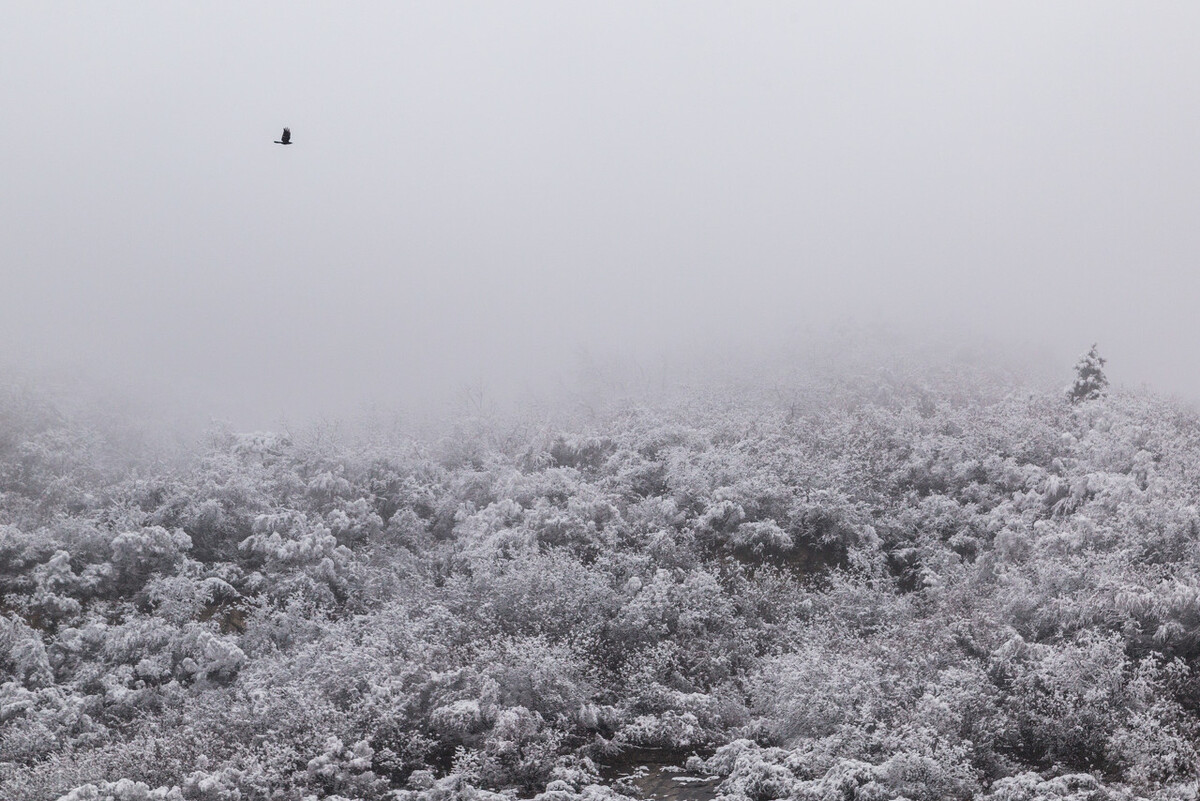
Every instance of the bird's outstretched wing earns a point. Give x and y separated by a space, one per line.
287 136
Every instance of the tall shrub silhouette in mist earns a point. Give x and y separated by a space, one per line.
1090 381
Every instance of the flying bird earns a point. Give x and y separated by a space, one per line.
286 138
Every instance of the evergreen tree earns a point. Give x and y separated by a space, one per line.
1090 381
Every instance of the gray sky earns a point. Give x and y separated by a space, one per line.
483 191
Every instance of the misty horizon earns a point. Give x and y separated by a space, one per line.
485 196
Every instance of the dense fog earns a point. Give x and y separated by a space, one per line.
495 195
599 402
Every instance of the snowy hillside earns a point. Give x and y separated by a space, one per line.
881 591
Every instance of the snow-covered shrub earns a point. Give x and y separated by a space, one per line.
1030 786
670 730
136 555
354 523
346 770
1090 381
457 721
122 790
23 655
758 775
764 774
762 539
297 556
583 454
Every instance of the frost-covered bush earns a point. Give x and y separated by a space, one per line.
23 657
1090 381
1066 701
122 790
136 555
1031 786
297 557
346 770
764 774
